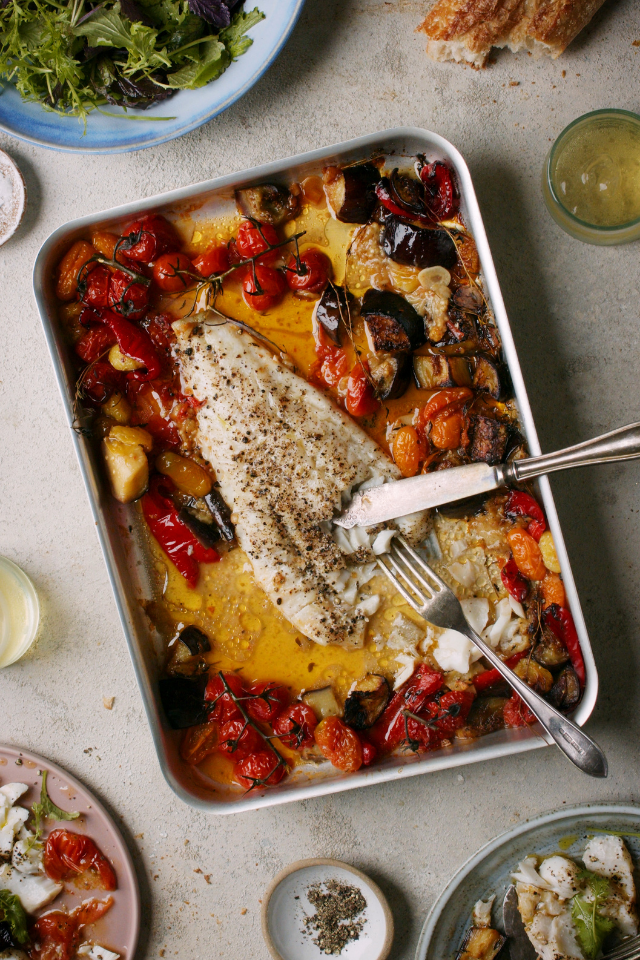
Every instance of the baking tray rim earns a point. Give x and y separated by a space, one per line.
369 144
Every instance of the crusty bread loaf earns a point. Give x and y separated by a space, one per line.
466 30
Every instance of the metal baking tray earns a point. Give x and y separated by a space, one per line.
126 559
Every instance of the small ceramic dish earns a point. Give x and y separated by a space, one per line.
19 612
489 870
13 197
286 905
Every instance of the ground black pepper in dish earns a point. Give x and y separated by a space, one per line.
337 919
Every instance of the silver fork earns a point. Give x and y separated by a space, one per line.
628 949
432 599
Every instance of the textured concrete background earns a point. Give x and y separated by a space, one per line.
350 68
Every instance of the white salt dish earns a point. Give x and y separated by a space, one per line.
13 197
286 905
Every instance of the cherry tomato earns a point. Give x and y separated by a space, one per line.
261 769
316 271
369 752
334 367
361 400
238 739
158 326
513 581
172 272
442 399
96 292
526 554
446 429
213 261
101 381
389 730
517 713
267 701
271 285
128 297
252 240
94 343
296 725
149 237
151 402
450 711
225 707
339 744
56 935
419 736
408 451
552 590
67 855
199 742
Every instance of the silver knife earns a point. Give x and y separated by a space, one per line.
401 497
520 947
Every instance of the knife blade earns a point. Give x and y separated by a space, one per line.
520 947
402 497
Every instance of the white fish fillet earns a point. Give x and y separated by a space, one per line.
284 454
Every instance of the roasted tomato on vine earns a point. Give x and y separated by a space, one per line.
339 744
147 239
96 288
127 296
213 261
101 381
94 344
311 274
224 706
361 399
262 287
173 272
450 711
296 725
252 240
261 769
266 701
67 855
238 739
198 743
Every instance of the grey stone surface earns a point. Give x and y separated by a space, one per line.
351 67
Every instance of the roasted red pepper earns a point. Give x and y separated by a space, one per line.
101 381
442 196
390 203
514 582
560 622
135 343
522 504
490 678
390 729
450 711
94 343
178 542
68 854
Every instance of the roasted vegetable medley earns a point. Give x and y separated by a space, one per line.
368 281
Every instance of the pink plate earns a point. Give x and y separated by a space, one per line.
118 930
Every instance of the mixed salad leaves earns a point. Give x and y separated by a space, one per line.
74 56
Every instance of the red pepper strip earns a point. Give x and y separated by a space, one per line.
442 193
384 196
522 504
490 677
514 582
390 729
178 542
135 343
560 622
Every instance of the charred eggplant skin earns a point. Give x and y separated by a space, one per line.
194 640
207 533
486 377
414 246
392 306
221 515
268 203
365 705
391 374
351 191
566 692
183 701
435 371
489 440
331 308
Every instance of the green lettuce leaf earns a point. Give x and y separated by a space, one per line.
107 28
591 927
212 59
234 37
12 912
46 809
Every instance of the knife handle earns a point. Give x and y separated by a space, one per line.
621 444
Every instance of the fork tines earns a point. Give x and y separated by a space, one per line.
400 565
627 950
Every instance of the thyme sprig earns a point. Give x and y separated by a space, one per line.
411 742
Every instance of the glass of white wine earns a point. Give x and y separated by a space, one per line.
19 612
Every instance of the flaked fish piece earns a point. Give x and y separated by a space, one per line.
284 455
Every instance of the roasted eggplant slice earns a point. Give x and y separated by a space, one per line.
366 702
435 371
486 377
187 660
268 203
331 308
351 192
221 514
417 246
207 533
194 640
323 702
183 701
489 440
481 943
566 692
390 373
468 298
549 651
391 322
461 328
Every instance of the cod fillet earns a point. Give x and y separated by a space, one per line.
284 455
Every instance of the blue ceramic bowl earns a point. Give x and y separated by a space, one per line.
187 109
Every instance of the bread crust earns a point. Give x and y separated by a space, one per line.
466 30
